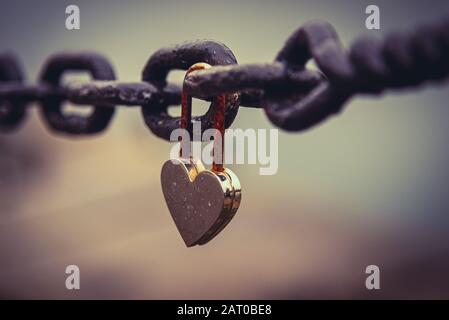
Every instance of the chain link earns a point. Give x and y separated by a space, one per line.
294 97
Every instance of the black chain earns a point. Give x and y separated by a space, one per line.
294 98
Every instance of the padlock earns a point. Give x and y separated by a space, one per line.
201 202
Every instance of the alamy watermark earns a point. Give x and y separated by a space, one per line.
72 282
249 146
72 20
372 21
372 282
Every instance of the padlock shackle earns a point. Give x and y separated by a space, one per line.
219 118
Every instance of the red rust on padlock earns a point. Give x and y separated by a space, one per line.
219 118
201 202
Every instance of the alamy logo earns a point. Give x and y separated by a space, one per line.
72 21
72 282
373 280
372 22
255 142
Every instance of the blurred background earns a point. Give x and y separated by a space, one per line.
370 186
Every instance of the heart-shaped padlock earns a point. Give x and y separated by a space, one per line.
201 202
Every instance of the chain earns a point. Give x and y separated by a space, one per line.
293 96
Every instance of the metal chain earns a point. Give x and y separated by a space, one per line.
294 97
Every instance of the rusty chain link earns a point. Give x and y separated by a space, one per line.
294 97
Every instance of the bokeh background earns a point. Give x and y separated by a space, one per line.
370 186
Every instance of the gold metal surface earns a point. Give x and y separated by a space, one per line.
201 202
